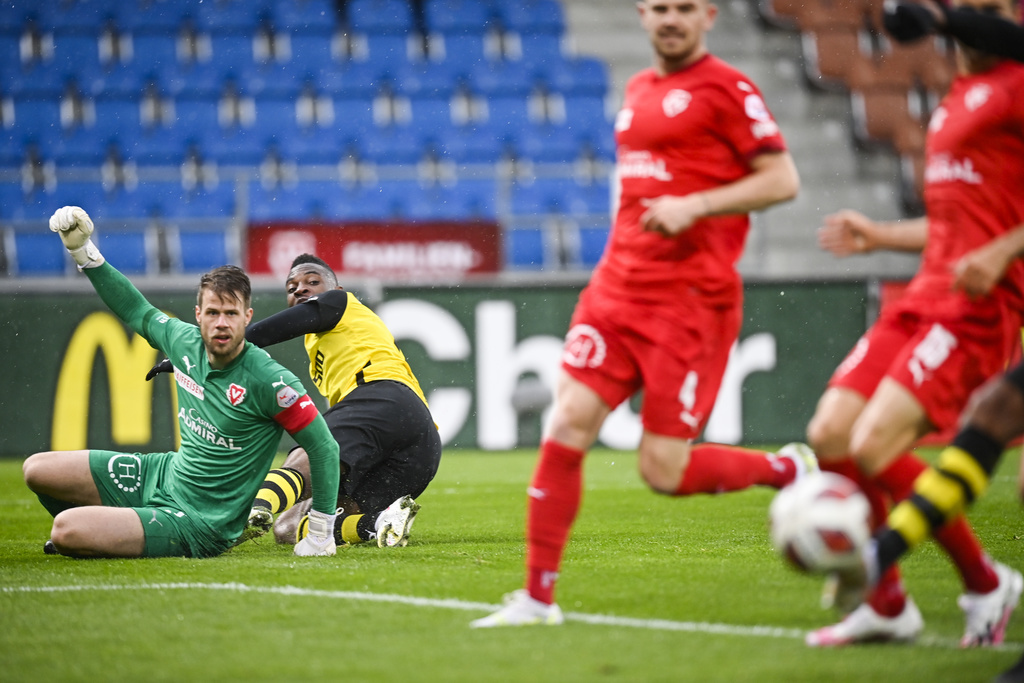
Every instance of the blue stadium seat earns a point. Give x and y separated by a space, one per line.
501 79
140 17
429 79
316 146
546 144
84 193
82 16
471 145
310 53
39 254
199 251
531 16
307 200
448 16
430 115
36 118
13 16
355 116
39 79
352 79
159 146
77 54
388 50
196 114
576 76
507 114
362 202
380 16
11 195
170 200
229 16
466 200
235 146
305 16
154 53
393 146
462 49
559 196
541 50
276 116
586 112
592 243
131 252
524 248
79 147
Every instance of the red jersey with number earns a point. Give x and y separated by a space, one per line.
974 185
692 130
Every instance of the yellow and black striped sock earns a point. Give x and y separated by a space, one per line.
940 494
281 489
350 529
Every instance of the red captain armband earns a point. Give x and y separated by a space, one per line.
299 410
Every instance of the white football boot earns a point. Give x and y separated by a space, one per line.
865 625
988 613
521 610
395 522
803 458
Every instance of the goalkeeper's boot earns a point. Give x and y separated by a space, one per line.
865 625
261 520
802 457
522 610
988 613
395 522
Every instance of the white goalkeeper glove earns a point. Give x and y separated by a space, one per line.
320 539
75 229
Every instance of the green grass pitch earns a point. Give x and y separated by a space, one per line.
695 588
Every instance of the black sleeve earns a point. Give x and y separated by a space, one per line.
986 32
319 314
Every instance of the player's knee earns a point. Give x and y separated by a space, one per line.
34 470
66 535
659 471
827 438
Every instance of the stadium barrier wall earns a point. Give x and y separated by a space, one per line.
486 355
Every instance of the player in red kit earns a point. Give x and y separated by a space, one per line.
957 326
697 151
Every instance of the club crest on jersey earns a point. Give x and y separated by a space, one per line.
676 102
286 396
236 394
977 96
584 347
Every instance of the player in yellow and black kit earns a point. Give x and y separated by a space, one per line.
389 445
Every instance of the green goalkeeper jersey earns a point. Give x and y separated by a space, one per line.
231 419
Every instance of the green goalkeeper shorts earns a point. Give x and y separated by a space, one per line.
133 480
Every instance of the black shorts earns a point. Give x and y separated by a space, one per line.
388 441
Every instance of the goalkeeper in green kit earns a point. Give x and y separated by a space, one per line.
234 401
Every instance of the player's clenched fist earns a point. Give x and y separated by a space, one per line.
75 228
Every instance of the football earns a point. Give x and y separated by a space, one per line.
821 523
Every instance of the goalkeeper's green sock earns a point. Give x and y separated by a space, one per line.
281 489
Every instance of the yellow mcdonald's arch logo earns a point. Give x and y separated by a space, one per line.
131 396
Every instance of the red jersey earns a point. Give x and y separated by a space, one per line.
974 190
692 130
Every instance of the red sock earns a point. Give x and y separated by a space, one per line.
955 537
715 468
888 597
554 500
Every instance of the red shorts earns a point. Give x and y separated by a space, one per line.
676 352
940 362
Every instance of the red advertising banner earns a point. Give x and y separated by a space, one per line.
384 250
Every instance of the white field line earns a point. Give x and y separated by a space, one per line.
451 603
